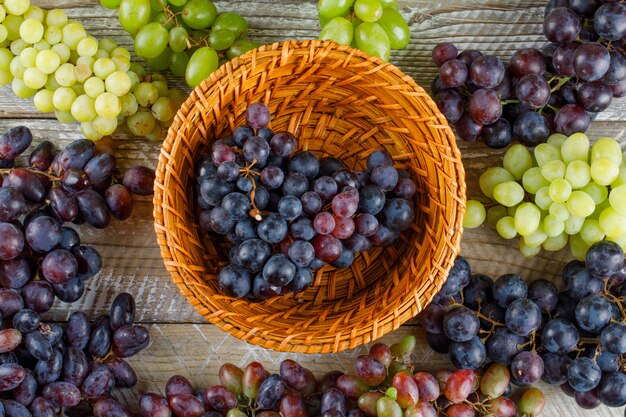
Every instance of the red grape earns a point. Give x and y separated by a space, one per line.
12 241
487 71
140 180
459 385
595 96
154 405
453 73
467 128
533 90
527 61
327 248
369 370
444 52
485 106
119 201
15 141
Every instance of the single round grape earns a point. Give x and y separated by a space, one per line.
570 119
527 61
497 135
487 71
372 38
453 73
450 104
563 59
591 61
612 389
609 21
202 63
527 368
443 52
531 129
595 96
485 106
234 281
561 25
533 90
583 374
272 228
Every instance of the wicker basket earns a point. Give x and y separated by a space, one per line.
337 101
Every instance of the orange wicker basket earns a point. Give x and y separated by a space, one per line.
337 101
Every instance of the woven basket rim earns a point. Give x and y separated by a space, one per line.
331 343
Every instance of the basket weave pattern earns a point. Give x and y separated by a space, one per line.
340 102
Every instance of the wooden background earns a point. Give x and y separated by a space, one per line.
182 342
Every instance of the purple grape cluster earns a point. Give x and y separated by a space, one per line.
288 213
559 88
575 338
76 185
47 370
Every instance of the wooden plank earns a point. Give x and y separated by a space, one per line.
197 352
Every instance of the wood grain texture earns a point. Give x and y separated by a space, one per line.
182 342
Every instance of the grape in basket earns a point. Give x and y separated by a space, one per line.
288 214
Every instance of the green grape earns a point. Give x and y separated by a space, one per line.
103 126
606 148
163 20
617 199
101 54
73 33
333 8
553 170
43 101
164 109
34 12
221 39
177 3
110 4
151 40
94 86
20 89
129 105
78 89
598 192
120 51
240 47
16 68
368 10
134 79
339 30
89 131
134 14
580 204
121 63
556 243
600 208
3 14
517 160
621 177
83 109
578 247
506 227
118 83
146 94
53 35
83 69
573 225
16 7
5 76
559 211
533 180
108 105
157 134
604 171
508 193
396 28
28 57
528 251
494 214
178 63
612 223
372 39
48 61
575 147
231 21
42 45
13 23
545 152
560 190
107 45
591 232
87 47
64 117
178 39
202 63
5 58
56 17
199 14
387 407
474 214
536 238
35 79
161 87
103 67
158 5
158 77
52 84
3 33
552 226
578 174
17 46
620 240
527 218
62 51
63 98
141 123
161 62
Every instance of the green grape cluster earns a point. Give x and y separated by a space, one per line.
46 56
373 26
564 191
188 37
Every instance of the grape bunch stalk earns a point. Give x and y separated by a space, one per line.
559 88
373 26
54 60
188 37
47 370
575 338
384 384
288 213
40 256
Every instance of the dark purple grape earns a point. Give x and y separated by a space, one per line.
69 238
262 290
613 338
555 368
527 61
246 229
604 259
272 177
289 207
371 199
450 104
77 331
531 129
378 158
97 383
325 187
74 180
92 207
617 69
76 154
219 398
257 115
477 291
108 407
295 184
384 237
595 96
302 228
438 342
256 150
431 318
467 128
561 25
101 337
252 254
38 345
487 71
63 204
502 346
593 313
587 400
469 56
345 177
544 294
11 376
366 224
497 135
218 221
228 171
527 368
41 157
283 144
279 270
234 281
591 61
119 201
139 180
272 228
508 288
609 21
75 366
122 311
12 204
15 141
15 409
345 259
26 321
301 281
15 273
27 182
41 407
385 177
444 52
559 336
38 296
533 90
523 317
10 303
468 355
50 370
619 89
301 253
70 291
236 206
571 119
453 73
43 234
129 339
460 324
405 188
123 373
398 214
583 374
154 405
311 202
305 163
563 59
59 266
99 169
612 389
485 106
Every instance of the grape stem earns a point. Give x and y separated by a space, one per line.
561 83
249 173
511 101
